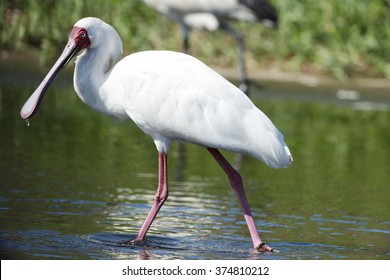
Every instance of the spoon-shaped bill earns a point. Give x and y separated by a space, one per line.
32 104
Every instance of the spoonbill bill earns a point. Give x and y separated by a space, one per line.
212 15
169 96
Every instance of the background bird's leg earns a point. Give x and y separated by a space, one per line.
243 77
186 44
236 183
161 196
186 38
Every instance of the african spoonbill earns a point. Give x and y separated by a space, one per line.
170 96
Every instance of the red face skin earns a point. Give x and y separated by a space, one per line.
80 37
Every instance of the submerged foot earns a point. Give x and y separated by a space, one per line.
135 242
264 248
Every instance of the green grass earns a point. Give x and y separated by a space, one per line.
340 38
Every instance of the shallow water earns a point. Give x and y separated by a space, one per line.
74 184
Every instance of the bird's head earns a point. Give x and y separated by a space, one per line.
86 33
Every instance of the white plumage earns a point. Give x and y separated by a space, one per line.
170 96
189 102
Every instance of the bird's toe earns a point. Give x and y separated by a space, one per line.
264 248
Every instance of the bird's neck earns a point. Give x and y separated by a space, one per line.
88 77
93 82
92 71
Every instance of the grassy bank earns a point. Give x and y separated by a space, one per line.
340 38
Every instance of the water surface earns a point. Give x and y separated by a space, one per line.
74 184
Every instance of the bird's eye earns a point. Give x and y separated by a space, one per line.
83 34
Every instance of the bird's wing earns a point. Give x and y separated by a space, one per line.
174 96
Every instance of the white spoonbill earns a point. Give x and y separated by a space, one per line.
170 96
212 15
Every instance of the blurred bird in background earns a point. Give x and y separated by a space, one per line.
212 15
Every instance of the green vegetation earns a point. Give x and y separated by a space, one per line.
341 38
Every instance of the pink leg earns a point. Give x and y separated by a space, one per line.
236 183
161 197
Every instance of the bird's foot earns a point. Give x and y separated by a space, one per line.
135 242
264 248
